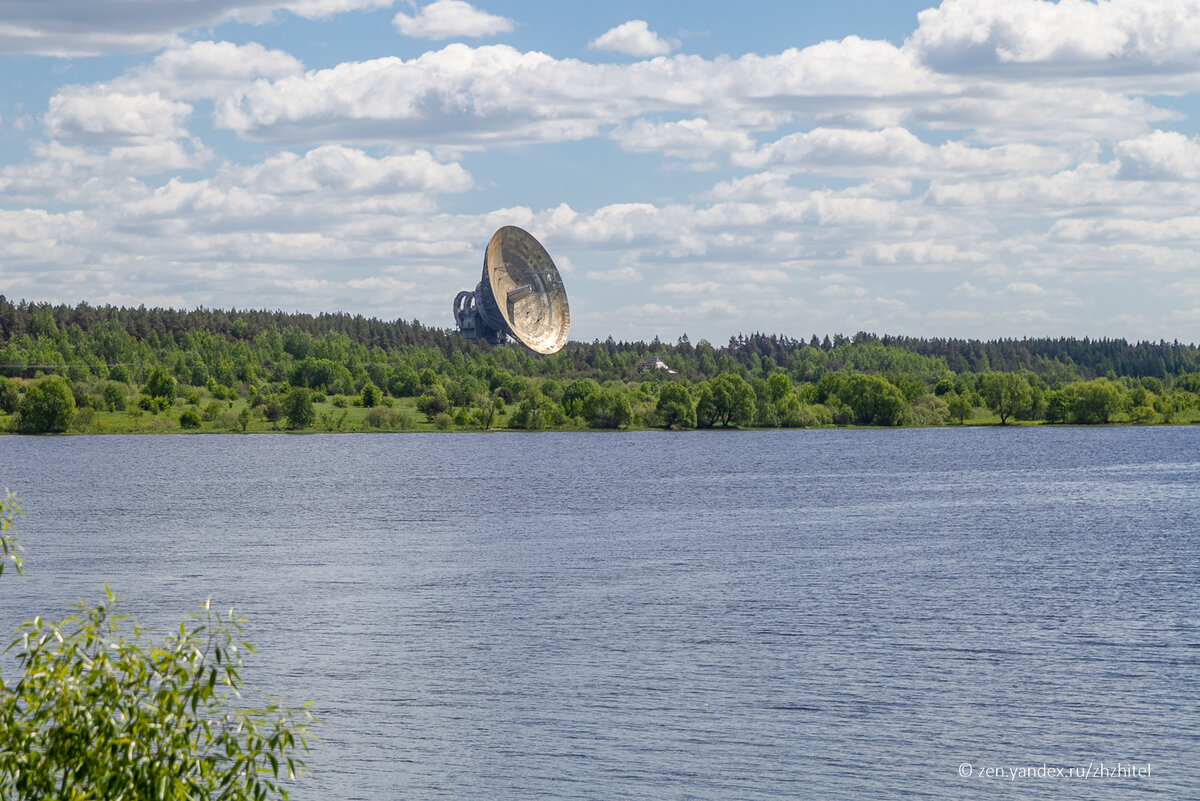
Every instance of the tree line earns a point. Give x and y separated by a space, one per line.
241 369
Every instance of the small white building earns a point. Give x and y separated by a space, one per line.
648 363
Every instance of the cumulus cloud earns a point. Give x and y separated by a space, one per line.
1159 156
447 19
209 69
113 118
633 38
897 150
693 139
69 28
1071 36
334 169
1009 156
471 96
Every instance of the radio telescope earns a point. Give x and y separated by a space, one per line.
520 295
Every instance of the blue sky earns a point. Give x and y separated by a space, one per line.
975 168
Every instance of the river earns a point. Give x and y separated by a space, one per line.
926 614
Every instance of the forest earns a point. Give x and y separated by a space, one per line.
106 369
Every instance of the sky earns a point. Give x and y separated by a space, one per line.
978 168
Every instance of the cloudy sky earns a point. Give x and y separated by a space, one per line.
978 168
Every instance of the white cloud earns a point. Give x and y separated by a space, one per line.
114 118
1070 37
897 150
633 38
208 69
1159 156
70 28
447 19
333 169
685 139
619 275
473 96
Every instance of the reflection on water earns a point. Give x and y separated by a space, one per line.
828 614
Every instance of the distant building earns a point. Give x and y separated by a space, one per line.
648 363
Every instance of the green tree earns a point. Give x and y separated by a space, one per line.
873 400
1006 394
959 406
189 419
1095 401
10 397
298 408
243 417
433 403
48 406
273 412
727 400
675 407
1058 406
99 713
371 396
576 393
115 395
607 409
160 384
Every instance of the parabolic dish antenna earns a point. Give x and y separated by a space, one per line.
520 295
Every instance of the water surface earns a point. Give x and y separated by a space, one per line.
753 615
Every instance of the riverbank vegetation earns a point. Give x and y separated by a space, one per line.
119 370
99 709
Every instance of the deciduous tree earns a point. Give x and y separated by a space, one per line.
1006 394
675 407
48 406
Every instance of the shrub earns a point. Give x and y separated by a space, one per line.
48 406
83 418
211 411
929 410
160 384
383 418
97 712
273 412
10 397
298 409
189 419
370 396
114 396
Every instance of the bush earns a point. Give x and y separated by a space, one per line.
442 421
10 397
386 419
211 411
160 384
273 412
48 406
370 396
114 395
298 409
83 418
929 410
189 419
227 420
99 713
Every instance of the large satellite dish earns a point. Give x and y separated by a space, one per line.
521 295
